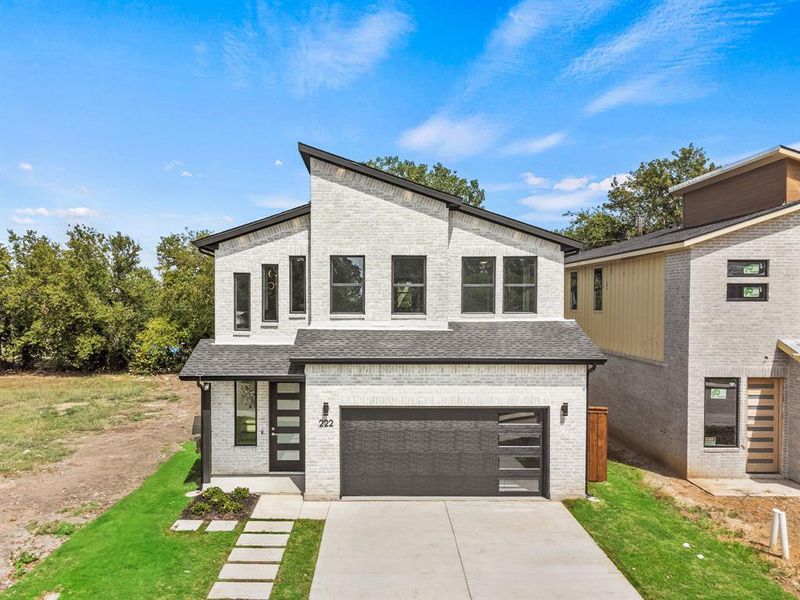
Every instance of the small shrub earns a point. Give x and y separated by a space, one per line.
215 496
240 494
200 508
231 506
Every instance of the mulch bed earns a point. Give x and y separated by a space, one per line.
249 504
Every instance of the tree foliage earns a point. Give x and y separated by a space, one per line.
640 203
438 177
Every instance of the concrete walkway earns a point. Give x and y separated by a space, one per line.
461 550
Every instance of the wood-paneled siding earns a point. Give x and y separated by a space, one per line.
632 320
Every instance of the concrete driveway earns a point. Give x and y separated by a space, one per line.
461 550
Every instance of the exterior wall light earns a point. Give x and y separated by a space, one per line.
564 409
325 409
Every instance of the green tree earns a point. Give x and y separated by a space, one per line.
438 177
640 203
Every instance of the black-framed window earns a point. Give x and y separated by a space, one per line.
721 429
597 282
408 284
573 290
297 284
347 284
241 301
519 284
748 268
477 284
269 292
245 412
747 292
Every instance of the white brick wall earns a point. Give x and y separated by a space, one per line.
447 386
792 416
226 457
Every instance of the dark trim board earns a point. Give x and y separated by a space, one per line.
445 361
248 377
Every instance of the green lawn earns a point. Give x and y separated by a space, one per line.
644 535
129 552
38 414
299 560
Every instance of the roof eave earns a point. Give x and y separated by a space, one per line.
211 242
445 360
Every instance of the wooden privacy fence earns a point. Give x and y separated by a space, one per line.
597 443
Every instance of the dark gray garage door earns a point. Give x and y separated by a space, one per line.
443 452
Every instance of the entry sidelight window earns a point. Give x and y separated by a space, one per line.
269 292
519 284
297 284
241 301
245 413
721 413
347 284
408 284
477 284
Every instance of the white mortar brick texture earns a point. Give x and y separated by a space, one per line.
226 457
447 386
792 417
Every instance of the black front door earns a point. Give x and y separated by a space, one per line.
286 447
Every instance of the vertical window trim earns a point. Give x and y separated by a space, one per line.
363 284
493 285
236 414
534 285
264 268
573 275
423 285
736 431
236 301
291 286
594 288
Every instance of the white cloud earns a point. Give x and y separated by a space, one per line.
186 173
171 165
569 184
25 166
277 201
73 212
536 145
534 180
22 220
278 162
449 137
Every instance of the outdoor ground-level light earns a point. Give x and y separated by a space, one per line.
325 409
564 409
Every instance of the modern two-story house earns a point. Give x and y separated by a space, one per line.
701 325
387 339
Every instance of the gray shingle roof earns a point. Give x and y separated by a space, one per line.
664 237
476 342
238 360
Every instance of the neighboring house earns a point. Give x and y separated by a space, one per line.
388 339
701 324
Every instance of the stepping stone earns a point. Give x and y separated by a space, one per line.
268 526
186 525
249 572
239 590
263 539
257 555
278 507
221 525
315 510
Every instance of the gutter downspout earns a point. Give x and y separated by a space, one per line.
589 371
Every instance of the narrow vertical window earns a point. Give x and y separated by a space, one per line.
721 413
241 301
244 413
477 284
519 284
408 284
598 289
297 284
347 284
269 292
573 290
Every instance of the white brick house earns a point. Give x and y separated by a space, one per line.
714 392
388 339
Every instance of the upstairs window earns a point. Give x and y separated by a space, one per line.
598 289
297 284
721 413
748 268
244 414
519 284
347 284
408 285
241 301
747 292
477 284
269 292
573 290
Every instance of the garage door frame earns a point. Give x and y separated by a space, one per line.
545 442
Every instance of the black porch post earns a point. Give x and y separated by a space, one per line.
205 432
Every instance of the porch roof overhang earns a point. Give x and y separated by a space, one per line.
226 362
790 347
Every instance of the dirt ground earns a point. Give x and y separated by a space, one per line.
104 467
745 519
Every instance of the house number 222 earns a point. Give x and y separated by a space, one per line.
326 422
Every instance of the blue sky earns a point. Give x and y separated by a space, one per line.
151 117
